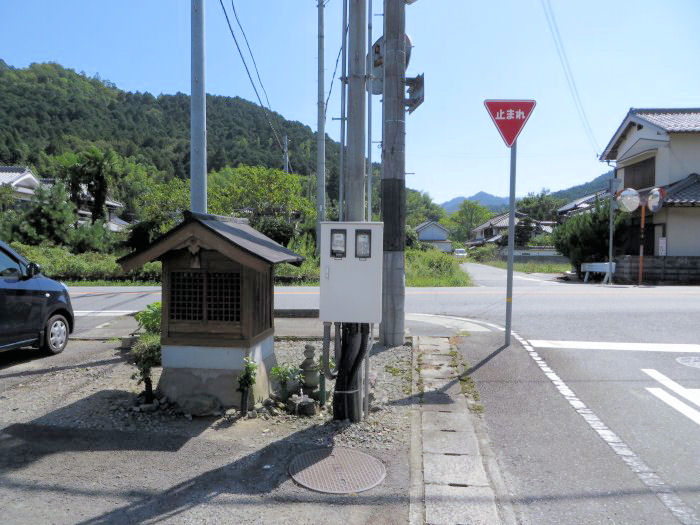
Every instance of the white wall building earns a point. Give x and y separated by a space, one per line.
661 148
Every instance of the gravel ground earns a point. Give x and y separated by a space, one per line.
76 426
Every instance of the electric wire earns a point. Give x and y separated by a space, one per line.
255 65
252 83
335 70
568 74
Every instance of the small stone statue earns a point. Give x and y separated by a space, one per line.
309 370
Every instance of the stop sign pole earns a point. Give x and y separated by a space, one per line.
510 117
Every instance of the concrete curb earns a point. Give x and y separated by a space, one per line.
457 465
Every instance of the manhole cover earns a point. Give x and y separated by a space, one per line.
693 361
337 470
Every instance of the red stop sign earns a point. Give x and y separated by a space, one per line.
509 116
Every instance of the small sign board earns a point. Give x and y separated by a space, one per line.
509 116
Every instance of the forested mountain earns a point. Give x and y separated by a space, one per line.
576 192
498 203
46 109
485 199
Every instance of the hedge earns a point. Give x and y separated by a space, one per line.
59 263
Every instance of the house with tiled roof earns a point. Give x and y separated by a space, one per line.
434 233
21 179
660 148
24 183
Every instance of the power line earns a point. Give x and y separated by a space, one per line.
568 74
235 40
335 70
235 14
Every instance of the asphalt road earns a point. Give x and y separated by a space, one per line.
594 433
599 423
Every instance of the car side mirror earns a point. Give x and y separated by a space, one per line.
33 269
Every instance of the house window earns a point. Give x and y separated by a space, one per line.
640 175
205 296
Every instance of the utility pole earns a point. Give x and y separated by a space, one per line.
198 113
320 134
285 157
357 97
369 110
393 173
347 398
343 123
611 227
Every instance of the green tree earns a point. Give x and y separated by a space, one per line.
469 215
540 206
584 237
273 200
7 197
48 218
420 208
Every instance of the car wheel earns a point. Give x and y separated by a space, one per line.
55 335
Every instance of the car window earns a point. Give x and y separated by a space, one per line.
8 266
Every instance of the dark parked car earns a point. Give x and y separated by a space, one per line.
34 310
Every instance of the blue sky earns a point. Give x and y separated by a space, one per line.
623 54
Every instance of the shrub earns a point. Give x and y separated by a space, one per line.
149 319
543 239
59 263
487 252
144 355
434 268
285 374
584 236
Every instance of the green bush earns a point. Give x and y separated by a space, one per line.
144 355
434 268
285 374
584 236
487 252
543 239
59 263
149 319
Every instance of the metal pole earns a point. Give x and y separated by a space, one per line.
343 88
285 157
369 110
642 207
320 134
611 228
198 112
511 243
357 96
394 173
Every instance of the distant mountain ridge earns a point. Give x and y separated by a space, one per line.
492 202
495 203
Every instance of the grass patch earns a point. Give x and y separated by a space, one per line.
532 267
393 370
434 268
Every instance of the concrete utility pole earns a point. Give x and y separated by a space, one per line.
393 173
285 157
347 398
357 98
369 110
343 123
198 113
320 134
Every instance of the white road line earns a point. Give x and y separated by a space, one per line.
691 394
646 475
676 403
446 321
102 313
633 347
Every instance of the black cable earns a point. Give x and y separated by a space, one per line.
235 14
235 40
335 70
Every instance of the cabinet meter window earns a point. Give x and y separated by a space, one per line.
363 244
338 243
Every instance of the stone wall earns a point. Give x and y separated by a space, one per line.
657 270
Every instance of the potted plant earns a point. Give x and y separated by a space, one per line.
245 381
285 374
